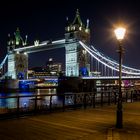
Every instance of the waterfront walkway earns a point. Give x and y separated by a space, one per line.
89 124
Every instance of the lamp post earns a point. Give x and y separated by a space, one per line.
120 32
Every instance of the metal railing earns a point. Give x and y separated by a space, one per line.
16 106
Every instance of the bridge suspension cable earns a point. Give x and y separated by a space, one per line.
111 60
108 62
3 71
3 62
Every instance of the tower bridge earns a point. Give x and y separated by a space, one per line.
78 55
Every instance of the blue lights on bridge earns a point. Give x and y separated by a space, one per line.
26 84
20 75
84 71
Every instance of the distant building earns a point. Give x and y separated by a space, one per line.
51 69
37 72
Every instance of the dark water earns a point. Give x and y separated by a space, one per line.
26 101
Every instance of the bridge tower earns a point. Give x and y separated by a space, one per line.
17 62
77 59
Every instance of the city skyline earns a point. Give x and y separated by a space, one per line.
47 21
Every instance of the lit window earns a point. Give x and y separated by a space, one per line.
68 28
80 28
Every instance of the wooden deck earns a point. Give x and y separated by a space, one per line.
89 124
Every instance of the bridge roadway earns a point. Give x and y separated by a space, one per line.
112 77
89 124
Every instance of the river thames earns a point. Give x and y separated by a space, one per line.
10 102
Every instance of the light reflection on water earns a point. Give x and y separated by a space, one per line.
27 101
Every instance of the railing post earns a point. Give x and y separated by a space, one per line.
18 106
131 96
35 109
115 98
85 105
90 99
63 102
136 93
126 97
50 103
101 98
93 100
108 97
74 101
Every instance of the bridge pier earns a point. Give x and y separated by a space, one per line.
17 61
17 65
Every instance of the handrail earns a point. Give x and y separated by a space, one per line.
66 101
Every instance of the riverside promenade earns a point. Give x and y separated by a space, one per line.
81 124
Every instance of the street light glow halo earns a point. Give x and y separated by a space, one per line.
120 33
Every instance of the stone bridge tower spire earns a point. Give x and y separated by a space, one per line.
77 59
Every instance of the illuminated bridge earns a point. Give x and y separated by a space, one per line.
78 52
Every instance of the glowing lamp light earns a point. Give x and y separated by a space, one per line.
25 53
120 33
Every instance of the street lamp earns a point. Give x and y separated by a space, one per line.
120 32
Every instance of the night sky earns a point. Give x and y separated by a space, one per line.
46 19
